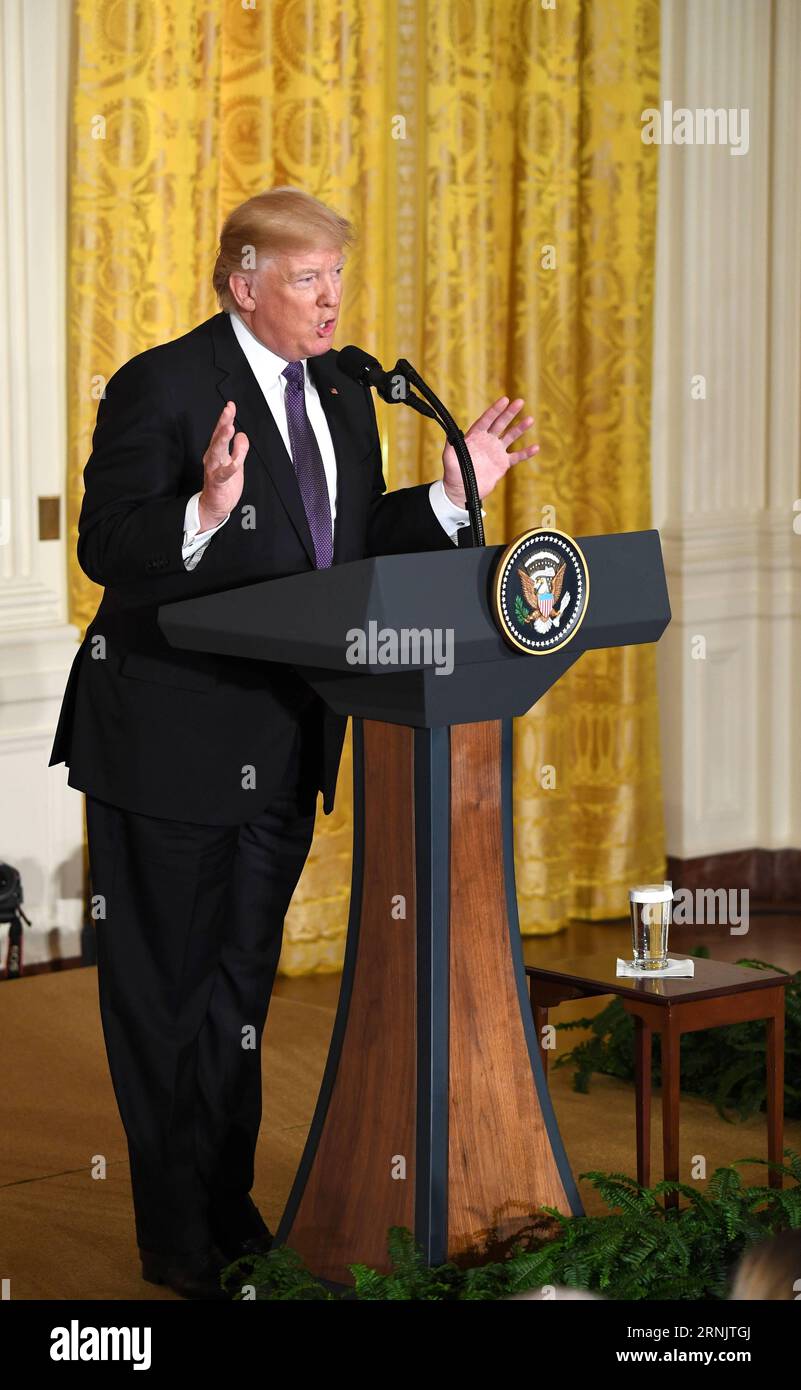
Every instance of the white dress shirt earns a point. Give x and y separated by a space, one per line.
268 370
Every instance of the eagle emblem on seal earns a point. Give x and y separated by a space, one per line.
545 599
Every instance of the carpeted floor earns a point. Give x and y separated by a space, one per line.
65 1233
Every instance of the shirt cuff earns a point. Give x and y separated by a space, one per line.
194 543
450 517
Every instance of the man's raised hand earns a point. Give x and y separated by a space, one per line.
488 439
223 471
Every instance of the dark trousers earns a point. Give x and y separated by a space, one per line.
189 925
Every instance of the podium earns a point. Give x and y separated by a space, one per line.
433 1111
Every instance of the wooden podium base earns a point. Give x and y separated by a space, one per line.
434 1111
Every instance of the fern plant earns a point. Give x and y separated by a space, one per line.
639 1250
724 1065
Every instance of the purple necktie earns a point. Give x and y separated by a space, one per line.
308 466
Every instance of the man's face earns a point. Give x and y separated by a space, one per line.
291 302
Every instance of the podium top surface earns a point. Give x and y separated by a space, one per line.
308 619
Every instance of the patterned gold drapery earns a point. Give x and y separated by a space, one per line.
489 153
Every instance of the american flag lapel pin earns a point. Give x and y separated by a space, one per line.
334 391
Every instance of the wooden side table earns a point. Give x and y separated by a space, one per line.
717 995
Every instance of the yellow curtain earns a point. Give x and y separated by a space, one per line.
489 153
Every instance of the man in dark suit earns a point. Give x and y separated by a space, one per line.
235 454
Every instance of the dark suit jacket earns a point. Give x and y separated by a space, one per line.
166 732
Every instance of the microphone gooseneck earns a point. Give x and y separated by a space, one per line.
457 440
395 388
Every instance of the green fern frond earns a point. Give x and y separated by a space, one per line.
638 1251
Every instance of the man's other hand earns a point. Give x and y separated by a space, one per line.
223 471
488 440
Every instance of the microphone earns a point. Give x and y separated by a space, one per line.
396 386
391 387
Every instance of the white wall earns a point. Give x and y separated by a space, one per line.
727 469
40 817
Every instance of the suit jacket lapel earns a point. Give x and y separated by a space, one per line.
237 383
253 415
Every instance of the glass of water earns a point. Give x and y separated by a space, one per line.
650 905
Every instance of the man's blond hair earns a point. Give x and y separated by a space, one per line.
279 222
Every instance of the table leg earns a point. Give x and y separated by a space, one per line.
775 1089
671 1037
642 1099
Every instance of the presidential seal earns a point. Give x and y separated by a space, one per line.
540 591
